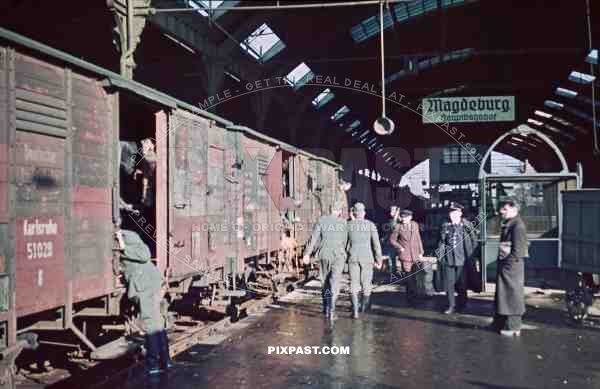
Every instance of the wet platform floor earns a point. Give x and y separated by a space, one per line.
393 346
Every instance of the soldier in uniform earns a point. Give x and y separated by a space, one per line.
144 285
388 250
364 251
147 168
456 246
329 238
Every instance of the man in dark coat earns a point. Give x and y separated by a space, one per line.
456 246
388 250
510 279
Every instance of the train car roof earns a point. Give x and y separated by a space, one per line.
118 81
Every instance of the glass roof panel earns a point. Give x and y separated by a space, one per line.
202 6
415 8
340 113
581 78
299 76
565 92
543 114
553 104
323 98
263 43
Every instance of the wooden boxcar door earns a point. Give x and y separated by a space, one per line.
270 198
233 198
38 197
181 166
249 201
197 182
7 309
215 201
162 205
89 259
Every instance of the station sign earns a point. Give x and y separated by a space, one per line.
468 109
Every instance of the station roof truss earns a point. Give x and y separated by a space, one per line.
327 56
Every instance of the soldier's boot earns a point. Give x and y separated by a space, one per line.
165 358
332 315
326 305
355 306
152 358
366 303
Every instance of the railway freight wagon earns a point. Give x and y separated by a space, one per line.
580 241
214 208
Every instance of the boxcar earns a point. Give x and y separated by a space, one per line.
223 194
581 249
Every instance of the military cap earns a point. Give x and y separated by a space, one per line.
135 248
511 202
359 207
406 212
456 206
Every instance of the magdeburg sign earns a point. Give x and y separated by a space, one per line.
468 109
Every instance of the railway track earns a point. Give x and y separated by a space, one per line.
186 334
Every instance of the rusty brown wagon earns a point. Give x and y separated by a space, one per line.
218 195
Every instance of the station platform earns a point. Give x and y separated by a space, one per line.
393 346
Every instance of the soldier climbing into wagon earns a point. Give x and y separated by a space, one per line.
145 287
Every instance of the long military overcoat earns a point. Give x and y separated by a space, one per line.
510 279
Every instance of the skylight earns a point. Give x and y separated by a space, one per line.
561 121
415 8
323 98
430 62
202 6
299 76
543 114
581 78
407 10
553 104
371 27
403 11
565 92
535 122
340 113
353 125
263 43
592 57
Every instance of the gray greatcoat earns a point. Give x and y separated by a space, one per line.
329 240
363 248
144 281
510 279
